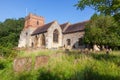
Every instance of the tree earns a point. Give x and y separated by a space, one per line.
107 7
102 30
9 32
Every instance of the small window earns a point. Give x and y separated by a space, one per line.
26 33
68 42
32 44
37 22
80 41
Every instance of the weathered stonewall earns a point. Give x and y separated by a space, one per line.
25 64
41 61
22 64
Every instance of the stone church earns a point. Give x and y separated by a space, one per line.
37 34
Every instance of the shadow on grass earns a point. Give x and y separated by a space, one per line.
75 53
2 66
107 57
90 74
86 74
48 75
103 57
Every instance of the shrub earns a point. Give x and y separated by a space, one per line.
7 52
2 65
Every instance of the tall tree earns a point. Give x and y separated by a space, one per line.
102 30
107 7
9 32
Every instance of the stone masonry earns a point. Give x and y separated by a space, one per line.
37 34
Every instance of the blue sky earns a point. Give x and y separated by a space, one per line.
60 10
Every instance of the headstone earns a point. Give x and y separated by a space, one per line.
41 61
96 48
22 64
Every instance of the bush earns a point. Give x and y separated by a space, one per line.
2 65
7 52
25 76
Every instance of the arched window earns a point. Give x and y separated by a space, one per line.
55 36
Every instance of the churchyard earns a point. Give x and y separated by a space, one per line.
61 65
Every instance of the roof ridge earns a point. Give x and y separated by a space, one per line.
66 27
76 27
65 23
80 22
46 24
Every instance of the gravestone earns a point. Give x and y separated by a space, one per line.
22 64
41 61
96 48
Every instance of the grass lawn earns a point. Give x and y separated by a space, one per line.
71 65
33 53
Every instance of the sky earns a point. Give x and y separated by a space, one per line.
60 10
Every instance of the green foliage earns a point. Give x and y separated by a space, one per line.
71 66
102 30
2 65
26 76
7 52
9 32
107 7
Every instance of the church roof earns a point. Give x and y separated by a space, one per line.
42 29
75 27
64 25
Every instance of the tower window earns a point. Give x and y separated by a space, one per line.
37 22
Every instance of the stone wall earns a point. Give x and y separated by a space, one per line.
22 64
74 37
25 39
26 63
38 43
32 22
41 61
49 37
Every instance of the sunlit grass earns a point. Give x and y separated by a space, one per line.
71 65
37 53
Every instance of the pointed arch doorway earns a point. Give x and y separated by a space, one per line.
43 40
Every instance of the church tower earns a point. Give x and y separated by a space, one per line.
32 22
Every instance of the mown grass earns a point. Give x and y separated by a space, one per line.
71 65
